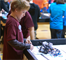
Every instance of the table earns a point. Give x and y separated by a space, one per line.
44 17
34 55
42 56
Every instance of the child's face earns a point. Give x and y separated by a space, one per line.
20 14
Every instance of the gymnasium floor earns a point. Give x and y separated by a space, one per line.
43 32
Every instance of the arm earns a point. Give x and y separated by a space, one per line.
28 38
31 31
18 45
38 12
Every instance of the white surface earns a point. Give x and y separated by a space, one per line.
46 14
4 15
38 55
61 47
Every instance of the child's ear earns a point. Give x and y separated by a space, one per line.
15 10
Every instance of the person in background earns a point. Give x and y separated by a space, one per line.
27 27
13 37
45 4
3 6
56 10
7 4
35 14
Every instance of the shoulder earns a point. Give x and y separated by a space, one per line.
11 21
65 4
52 4
27 15
36 5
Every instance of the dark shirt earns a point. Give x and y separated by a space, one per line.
7 4
3 6
35 13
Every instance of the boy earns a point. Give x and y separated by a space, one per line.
13 37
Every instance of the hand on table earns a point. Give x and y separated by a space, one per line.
31 47
29 42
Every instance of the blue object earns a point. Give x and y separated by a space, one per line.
49 1
41 10
45 8
0 58
64 19
56 11
4 17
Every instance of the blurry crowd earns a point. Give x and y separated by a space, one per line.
39 6
21 23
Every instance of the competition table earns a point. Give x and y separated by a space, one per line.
36 55
44 17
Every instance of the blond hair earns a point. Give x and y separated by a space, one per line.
20 5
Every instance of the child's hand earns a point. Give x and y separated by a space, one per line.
3 10
28 41
31 47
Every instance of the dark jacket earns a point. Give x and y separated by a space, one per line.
7 4
35 13
3 6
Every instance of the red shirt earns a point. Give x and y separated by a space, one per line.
12 31
26 22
